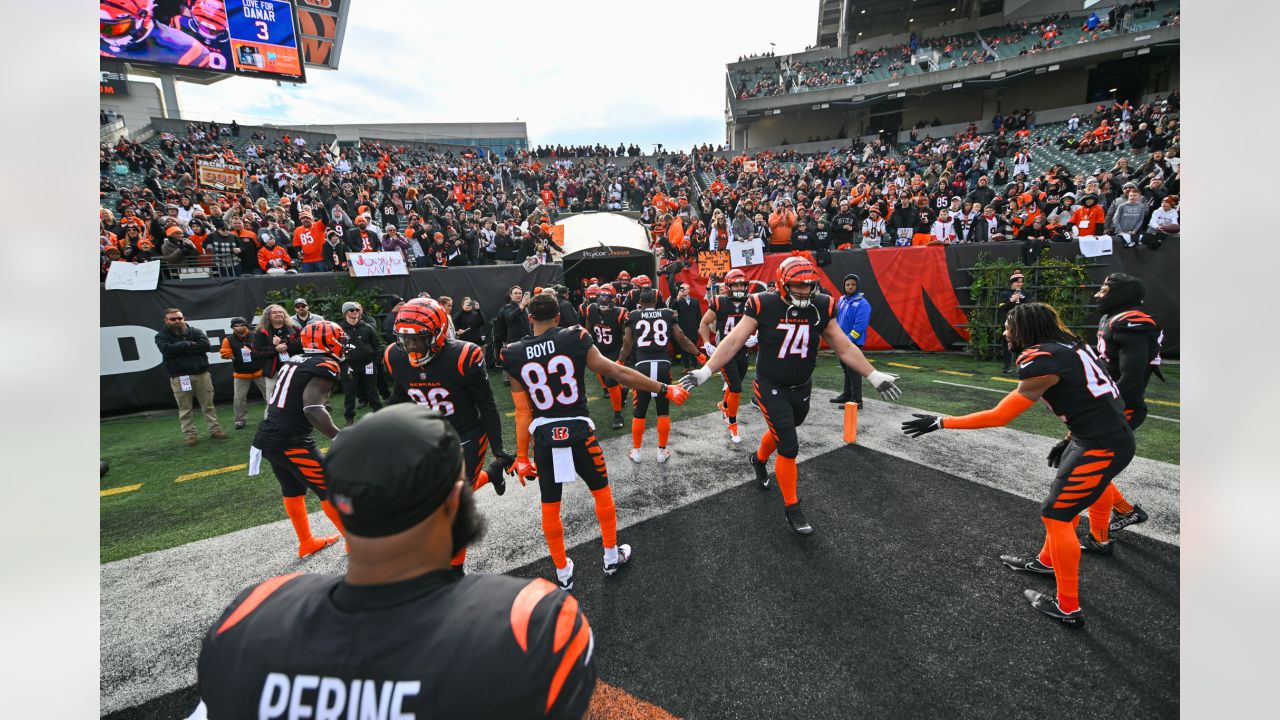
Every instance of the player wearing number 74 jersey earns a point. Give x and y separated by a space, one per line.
547 371
791 322
449 376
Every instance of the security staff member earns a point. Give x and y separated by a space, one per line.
359 368
399 635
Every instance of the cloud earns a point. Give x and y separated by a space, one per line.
633 72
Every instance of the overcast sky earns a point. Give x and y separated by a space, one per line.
579 71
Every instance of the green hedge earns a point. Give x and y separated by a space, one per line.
1060 283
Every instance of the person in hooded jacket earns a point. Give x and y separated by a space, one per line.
853 314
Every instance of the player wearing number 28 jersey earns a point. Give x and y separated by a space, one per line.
1055 366
547 372
791 324
449 376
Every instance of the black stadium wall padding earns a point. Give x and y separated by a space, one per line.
132 375
919 311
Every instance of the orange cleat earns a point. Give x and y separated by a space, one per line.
316 544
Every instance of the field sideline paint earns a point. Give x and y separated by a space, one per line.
118 490
904 365
207 473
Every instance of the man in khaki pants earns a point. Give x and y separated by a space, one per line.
186 359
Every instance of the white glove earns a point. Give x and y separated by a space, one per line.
694 378
708 348
751 341
883 383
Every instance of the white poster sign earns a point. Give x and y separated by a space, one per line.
133 276
746 252
376 264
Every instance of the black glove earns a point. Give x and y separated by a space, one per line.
921 425
1055 455
506 457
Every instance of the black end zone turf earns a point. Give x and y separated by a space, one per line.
896 607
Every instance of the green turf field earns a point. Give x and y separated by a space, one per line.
170 507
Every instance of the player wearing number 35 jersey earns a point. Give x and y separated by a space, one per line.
547 372
1054 365
449 376
791 324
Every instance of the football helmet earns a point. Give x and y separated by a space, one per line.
421 329
797 270
736 284
592 292
324 337
122 23
206 20
643 281
606 296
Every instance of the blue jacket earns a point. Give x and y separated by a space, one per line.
853 313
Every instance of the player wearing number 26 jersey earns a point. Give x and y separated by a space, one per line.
449 376
296 405
1055 366
547 385
791 323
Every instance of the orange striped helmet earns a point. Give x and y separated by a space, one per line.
797 270
421 329
324 337
592 291
606 296
642 281
736 284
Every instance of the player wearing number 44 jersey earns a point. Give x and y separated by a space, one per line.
1054 365
651 331
449 376
547 385
606 322
791 323
296 405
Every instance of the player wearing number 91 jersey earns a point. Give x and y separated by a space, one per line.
1055 366
547 385
791 323
449 376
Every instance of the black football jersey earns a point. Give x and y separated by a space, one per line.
789 337
728 311
430 647
606 328
286 423
651 330
551 367
454 382
1085 397
1134 329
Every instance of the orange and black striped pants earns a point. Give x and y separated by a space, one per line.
588 462
298 468
1084 475
784 408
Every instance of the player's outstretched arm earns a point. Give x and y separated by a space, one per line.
598 363
726 351
1014 404
314 396
852 357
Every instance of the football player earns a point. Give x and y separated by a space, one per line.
296 406
128 31
1055 365
791 322
632 299
449 376
622 285
1129 344
651 331
606 322
588 299
723 313
206 21
551 399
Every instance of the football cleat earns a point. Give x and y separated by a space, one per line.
796 518
316 544
1032 566
724 412
733 434
617 421
634 455
1049 606
1093 547
624 554
762 471
497 476
564 578
1124 520
663 455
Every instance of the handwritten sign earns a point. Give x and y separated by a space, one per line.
133 276
743 253
751 166
713 263
376 264
531 262
217 174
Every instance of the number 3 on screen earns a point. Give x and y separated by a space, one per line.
264 32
